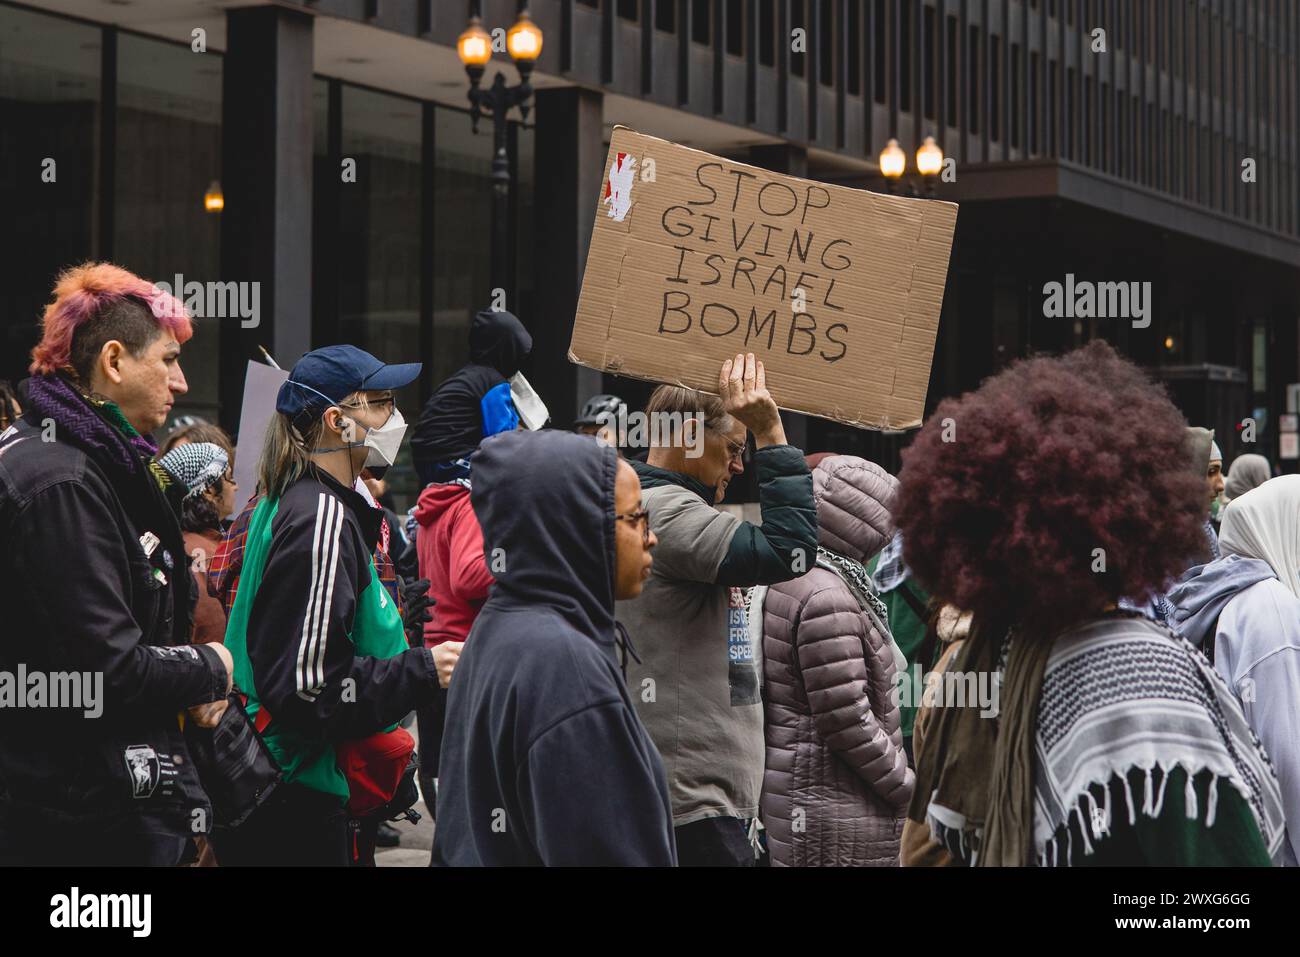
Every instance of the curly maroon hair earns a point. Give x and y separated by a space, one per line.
1047 461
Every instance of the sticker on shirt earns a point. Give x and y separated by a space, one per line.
742 664
150 771
142 763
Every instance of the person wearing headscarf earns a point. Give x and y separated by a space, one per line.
1244 611
1247 472
1115 742
204 470
544 760
1213 472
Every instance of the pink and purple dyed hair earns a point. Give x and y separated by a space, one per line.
81 293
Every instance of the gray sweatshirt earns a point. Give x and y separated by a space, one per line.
1252 620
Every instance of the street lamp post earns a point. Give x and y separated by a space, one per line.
524 42
929 164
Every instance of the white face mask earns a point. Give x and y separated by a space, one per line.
385 440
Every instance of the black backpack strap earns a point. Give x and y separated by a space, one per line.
913 602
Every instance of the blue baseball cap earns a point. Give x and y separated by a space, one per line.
325 377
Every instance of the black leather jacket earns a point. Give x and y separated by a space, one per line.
78 595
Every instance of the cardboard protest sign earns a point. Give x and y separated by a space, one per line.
695 258
261 385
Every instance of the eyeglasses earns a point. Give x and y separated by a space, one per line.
640 517
382 402
735 450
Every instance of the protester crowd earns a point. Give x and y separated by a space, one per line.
1059 637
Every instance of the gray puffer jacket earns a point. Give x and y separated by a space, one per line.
836 784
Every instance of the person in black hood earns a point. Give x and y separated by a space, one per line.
471 405
544 760
475 401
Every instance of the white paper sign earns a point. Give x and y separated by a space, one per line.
261 383
532 410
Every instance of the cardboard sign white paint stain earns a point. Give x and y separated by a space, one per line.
618 187
837 290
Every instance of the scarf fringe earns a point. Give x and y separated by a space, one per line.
1213 802
1061 847
1160 797
1128 797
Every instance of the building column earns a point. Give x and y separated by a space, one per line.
266 176
570 160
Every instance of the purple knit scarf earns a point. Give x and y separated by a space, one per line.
54 397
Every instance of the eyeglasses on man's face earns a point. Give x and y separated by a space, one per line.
735 450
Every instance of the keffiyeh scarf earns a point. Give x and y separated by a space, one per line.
1113 695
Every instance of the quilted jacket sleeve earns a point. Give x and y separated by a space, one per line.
848 674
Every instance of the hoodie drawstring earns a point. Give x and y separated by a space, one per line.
625 648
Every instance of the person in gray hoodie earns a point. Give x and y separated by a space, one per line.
1243 610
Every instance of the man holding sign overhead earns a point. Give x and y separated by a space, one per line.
696 686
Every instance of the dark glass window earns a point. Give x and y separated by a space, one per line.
700 21
1053 109
1016 95
735 27
1070 112
49 110
627 9
1035 132
904 28
827 40
168 152
766 32
797 60
927 81
854 28
954 35
1103 144
379 257
878 53
666 15
973 59
995 78
1090 122
1121 120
